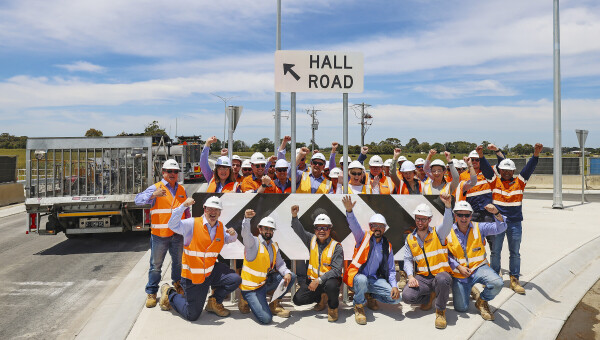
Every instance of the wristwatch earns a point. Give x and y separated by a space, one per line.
264 185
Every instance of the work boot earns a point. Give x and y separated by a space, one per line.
440 318
371 302
277 309
165 289
215 307
427 306
359 314
514 285
332 314
402 280
243 305
475 293
322 304
484 309
151 301
178 287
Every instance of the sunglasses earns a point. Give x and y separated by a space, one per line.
463 215
419 167
326 170
281 169
421 219
437 171
246 170
356 173
259 165
171 171
474 159
318 163
322 228
375 226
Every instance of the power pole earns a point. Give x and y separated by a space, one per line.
315 124
366 120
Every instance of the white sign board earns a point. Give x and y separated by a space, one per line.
319 71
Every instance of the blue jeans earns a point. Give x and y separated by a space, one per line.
513 233
222 279
158 250
380 289
257 299
461 291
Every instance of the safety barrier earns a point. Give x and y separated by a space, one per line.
594 166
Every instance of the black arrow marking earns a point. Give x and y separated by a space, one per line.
288 68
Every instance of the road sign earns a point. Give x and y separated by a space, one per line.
319 71
233 114
581 137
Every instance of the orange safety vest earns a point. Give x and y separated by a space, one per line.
361 255
508 193
305 186
254 273
403 188
160 213
288 190
200 255
320 265
229 187
386 186
432 258
480 188
249 184
459 193
475 256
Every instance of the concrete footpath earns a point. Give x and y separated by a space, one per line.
560 255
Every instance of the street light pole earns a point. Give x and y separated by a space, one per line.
557 199
278 94
225 100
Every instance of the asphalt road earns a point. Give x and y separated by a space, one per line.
50 286
566 197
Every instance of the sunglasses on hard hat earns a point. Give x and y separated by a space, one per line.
281 169
322 228
318 163
463 215
171 171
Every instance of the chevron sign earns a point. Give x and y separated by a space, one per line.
397 210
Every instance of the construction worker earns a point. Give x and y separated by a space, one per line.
467 256
271 167
203 239
408 183
419 166
282 182
224 180
236 167
507 195
344 162
386 186
163 197
426 248
372 273
335 175
464 185
324 275
258 182
313 181
400 161
386 167
435 171
355 184
480 195
262 271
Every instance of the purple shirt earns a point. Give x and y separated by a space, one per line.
370 267
186 227
145 197
204 165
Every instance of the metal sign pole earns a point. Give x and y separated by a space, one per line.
231 123
345 153
581 137
557 204
278 94
293 133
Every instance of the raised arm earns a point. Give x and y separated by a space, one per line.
363 154
204 166
532 163
427 166
393 173
352 221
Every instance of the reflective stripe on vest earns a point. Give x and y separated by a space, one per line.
160 213
200 255
229 187
254 273
459 193
316 265
386 185
306 188
428 188
361 255
475 255
404 188
482 186
508 193
434 259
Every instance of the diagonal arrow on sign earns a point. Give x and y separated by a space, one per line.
288 68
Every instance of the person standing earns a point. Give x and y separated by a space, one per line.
257 181
163 197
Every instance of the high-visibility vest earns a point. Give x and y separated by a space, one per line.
251 184
508 193
305 186
403 188
475 256
386 186
239 179
365 189
160 213
320 265
200 255
482 186
361 255
460 193
432 258
229 187
428 188
254 273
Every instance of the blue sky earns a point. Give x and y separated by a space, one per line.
435 70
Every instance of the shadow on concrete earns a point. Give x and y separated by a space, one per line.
505 320
103 243
529 286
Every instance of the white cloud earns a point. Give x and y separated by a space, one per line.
486 87
82 66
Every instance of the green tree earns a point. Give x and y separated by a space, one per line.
439 147
263 144
424 147
527 149
412 145
93 133
153 129
240 145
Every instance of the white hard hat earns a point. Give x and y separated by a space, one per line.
246 164
438 162
375 161
267 222
223 161
402 159
456 163
236 158
419 161
318 155
171 164
407 166
388 162
473 154
463 164
356 165
347 159
258 158
377 218
423 210
507 164
298 151
326 165
335 173
213 202
281 163
462 205
322 219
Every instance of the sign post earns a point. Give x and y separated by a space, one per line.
233 114
581 137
